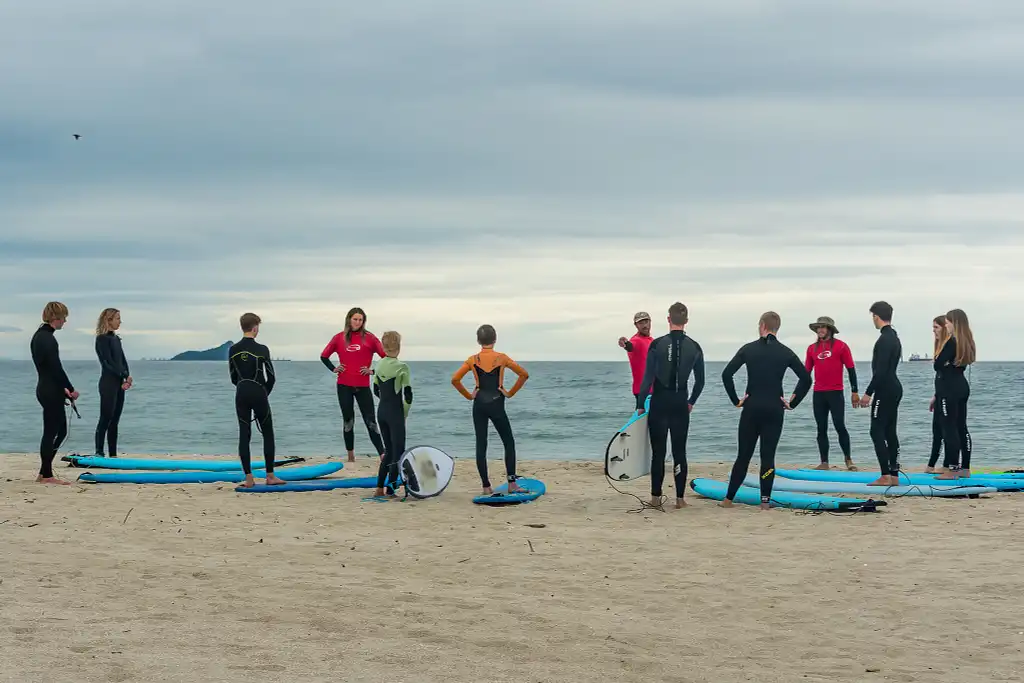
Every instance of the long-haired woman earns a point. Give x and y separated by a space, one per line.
952 391
355 347
115 379
941 334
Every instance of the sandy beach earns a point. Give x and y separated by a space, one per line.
107 582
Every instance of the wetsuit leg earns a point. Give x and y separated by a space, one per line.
948 409
657 428
55 430
965 435
480 429
364 398
771 432
265 422
936 438
389 447
348 415
243 412
499 418
837 406
820 404
892 439
746 440
884 413
108 390
679 427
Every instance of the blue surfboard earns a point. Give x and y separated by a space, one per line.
164 464
327 485
716 490
905 479
288 474
534 489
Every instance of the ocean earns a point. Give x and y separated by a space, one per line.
567 411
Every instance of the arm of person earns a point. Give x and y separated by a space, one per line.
946 355
329 350
268 367
105 354
521 376
378 347
851 371
232 371
457 379
698 375
650 371
803 384
727 376
406 384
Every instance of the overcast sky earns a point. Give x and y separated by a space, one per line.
546 166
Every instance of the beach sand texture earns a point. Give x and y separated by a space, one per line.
200 583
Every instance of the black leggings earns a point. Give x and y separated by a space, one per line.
668 414
885 411
364 397
251 401
937 438
826 402
763 425
111 404
493 410
953 415
392 431
55 429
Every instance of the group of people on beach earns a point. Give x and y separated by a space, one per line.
662 367
251 371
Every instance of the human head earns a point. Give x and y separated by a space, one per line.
355 321
824 327
940 332
881 314
769 323
109 321
55 314
392 343
958 326
486 336
642 321
250 323
677 316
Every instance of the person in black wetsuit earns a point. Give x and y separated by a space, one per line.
53 388
115 379
252 373
670 361
392 385
763 403
884 394
952 390
941 334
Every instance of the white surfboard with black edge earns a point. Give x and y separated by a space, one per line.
425 471
629 452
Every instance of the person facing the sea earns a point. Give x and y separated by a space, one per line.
825 360
115 379
670 361
763 403
355 347
637 348
53 388
884 394
941 334
252 373
952 390
488 397
392 384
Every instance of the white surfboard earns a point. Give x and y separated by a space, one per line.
629 452
426 471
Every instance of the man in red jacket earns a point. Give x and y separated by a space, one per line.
826 358
636 348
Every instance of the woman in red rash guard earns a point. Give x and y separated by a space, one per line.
355 348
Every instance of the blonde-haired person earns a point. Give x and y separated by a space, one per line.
392 385
52 388
952 391
941 334
115 379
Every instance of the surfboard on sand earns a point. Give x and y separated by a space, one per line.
426 471
628 455
533 489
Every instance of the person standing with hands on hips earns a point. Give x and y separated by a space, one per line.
825 359
636 348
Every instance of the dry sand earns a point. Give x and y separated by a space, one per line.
202 584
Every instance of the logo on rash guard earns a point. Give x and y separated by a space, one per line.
353 347
824 354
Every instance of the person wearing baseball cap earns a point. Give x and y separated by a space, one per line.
637 347
825 359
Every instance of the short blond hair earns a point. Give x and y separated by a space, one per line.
55 310
771 321
106 320
392 342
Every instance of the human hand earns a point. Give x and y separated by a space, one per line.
365 370
73 395
622 342
473 395
740 404
865 401
786 402
931 405
338 369
689 407
854 399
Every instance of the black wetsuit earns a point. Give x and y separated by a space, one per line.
951 394
50 393
763 411
113 374
886 392
670 360
391 419
937 436
252 373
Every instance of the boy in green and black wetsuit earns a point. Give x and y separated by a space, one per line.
392 385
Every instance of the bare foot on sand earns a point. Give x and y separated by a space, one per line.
274 480
850 466
52 480
884 480
822 466
766 506
488 491
725 504
351 456
929 470
250 481
680 504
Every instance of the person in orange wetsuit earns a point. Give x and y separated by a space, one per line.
488 397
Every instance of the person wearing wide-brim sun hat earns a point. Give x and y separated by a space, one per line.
826 358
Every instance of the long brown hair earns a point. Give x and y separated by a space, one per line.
348 324
103 322
965 351
943 337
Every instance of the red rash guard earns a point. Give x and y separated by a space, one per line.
637 348
828 358
358 354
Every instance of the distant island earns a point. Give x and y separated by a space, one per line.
218 353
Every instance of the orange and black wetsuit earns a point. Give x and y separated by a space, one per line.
488 368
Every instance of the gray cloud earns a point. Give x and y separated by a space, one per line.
4 329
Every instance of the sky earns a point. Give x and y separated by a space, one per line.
545 166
